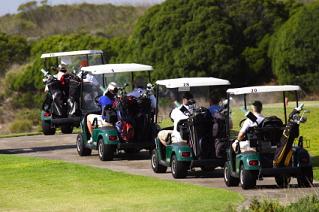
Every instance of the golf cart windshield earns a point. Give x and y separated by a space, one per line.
73 60
170 93
124 73
119 73
276 100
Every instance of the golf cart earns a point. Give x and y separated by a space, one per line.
131 111
64 106
268 149
202 146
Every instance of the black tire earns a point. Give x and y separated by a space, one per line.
179 168
156 166
66 129
282 181
47 129
106 152
306 180
80 147
229 180
247 178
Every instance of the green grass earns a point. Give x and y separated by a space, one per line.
31 184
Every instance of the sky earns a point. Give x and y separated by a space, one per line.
12 5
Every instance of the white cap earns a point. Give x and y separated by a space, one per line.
112 86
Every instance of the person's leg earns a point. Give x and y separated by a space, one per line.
163 136
89 124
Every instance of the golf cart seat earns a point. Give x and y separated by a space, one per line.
272 129
266 135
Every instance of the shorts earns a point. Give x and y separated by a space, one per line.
100 121
163 135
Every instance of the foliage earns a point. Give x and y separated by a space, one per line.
81 188
26 87
295 51
306 204
13 49
20 125
227 39
40 20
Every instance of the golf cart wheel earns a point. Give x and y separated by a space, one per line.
106 152
306 180
47 129
66 129
230 181
247 178
179 168
156 166
80 147
282 181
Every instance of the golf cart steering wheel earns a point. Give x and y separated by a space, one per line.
241 123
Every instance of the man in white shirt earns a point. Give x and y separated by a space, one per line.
179 113
256 110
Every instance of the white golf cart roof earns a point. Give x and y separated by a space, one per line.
262 89
117 68
192 82
72 53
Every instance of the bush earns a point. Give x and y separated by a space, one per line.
32 115
20 125
294 49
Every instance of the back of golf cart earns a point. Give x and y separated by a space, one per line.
269 149
203 145
67 97
111 140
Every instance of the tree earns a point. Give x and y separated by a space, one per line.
14 49
227 39
295 50
186 38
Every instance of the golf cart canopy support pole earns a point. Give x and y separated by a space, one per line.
285 109
245 103
228 116
156 109
297 98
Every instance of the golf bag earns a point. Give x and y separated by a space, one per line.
54 101
283 152
219 134
136 118
200 125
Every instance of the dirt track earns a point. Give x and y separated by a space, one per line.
62 147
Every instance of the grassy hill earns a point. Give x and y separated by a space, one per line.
34 21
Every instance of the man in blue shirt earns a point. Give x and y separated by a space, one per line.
214 105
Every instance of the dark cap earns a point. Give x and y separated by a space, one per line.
188 95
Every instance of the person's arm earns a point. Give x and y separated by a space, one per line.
241 134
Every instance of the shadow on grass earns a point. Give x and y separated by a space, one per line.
35 149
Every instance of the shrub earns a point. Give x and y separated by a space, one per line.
20 125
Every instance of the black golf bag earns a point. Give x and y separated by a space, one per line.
136 112
200 126
54 102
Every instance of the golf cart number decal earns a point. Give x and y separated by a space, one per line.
254 90
186 84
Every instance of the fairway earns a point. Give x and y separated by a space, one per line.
31 184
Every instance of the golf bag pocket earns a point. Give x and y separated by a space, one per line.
182 127
109 115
